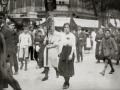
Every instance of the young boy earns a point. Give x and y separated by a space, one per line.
24 43
108 45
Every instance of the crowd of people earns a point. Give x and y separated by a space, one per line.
50 48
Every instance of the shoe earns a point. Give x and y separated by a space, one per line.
117 63
15 73
77 61
57 75
102 73
98 61
64 86
81 59
37 67
21 67
43 72
25 69
45 78
111 71
67 86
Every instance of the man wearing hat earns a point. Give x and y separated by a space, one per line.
6 60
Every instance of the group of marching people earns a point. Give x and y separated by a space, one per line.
108 48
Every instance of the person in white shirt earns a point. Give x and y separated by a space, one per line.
24 43
67 55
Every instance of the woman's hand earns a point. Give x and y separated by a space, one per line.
70 57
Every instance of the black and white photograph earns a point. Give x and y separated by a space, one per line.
59 44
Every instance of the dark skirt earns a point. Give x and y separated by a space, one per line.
66 67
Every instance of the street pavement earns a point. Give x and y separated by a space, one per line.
87 77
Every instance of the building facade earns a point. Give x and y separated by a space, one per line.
63 7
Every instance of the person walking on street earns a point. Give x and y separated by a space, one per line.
107 45
24 43
80 40
67 55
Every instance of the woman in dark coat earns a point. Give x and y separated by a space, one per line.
66 61
100 35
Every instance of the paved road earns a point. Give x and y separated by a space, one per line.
86 77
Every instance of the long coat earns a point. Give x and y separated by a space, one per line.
10 43
80 42
98 37
108 46
2 59
5 72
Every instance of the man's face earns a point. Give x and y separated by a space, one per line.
107 34
51 30
12 26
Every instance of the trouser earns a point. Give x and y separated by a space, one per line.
79 52
6 78
31 52
36 54
109 61
15 63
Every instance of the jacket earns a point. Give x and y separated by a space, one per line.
108 46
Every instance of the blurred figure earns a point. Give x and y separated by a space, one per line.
80 40
107 45
100 35
6 56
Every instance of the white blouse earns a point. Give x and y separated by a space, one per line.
68 39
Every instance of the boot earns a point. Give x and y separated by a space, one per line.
103 72
98 61
43 71
117 62
46 74
111 71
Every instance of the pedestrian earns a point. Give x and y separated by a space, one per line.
37 46
117 40
6 76
24 43
107 45
52 59
100 35
11 26
66 61
31 47
80 40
